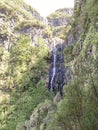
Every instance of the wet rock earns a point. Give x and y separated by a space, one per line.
59 74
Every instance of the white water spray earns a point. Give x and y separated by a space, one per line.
54 64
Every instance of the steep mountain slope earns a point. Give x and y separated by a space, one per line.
22 62
60 21
78 108
19 22
60 17
25 104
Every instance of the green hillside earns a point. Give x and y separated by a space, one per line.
25 59
21 65
60 21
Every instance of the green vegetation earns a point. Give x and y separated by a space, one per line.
58 14
78 109
22 15
28 23
60 22
61 31
24 81
24 100
22 65
21 106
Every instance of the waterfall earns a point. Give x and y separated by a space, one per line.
56 77
59 74
54 64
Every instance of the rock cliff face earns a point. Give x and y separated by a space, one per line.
60 17
16 15
23 49
16 19
25 59
77 111
60 21
59 74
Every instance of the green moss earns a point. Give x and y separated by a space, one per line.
25 76
27 67
17 10
58 14
95 38
47 31
92 9
22 108
61 31
25 24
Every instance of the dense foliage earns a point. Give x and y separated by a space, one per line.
25 103
22 65
78 109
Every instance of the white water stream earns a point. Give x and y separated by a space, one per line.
54 64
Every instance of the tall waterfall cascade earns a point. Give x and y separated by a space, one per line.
54 64
56 77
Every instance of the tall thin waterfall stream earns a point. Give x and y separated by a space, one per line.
54 64
57 69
